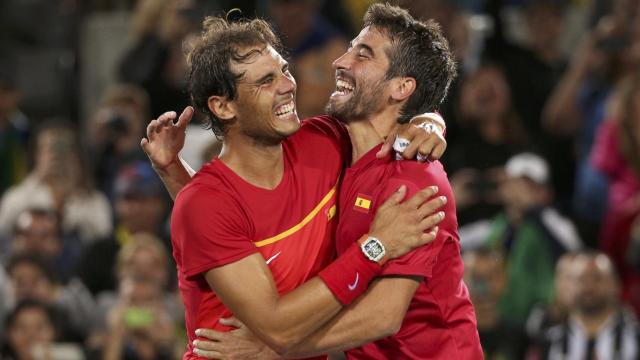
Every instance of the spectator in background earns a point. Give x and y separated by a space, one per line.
616 153
14 127
143 257
141 203
156 61
492 132
38 232
30 327
314 44
59 182
115 130
141 206
531 234
577 106
32 277
138 325
543 317
533 69
598 327
486 279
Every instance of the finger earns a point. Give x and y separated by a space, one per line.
232 321
396 197
418 139
438 151
431 206
429 236
426 148
210 334
408 131
421 196
432 220
151 128
144 143
169 115
166 119
386 147
185 117
207 345
208 354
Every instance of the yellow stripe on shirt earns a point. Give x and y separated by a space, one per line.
302 223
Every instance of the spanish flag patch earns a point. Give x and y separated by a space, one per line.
363 203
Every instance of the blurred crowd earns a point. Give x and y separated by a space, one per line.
543 131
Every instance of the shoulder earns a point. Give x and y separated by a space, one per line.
205 194
323 125
418 175
323 137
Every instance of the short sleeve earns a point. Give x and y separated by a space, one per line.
209 229
421 261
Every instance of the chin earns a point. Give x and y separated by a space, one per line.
335 110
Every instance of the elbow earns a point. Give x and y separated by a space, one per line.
282 342
388 324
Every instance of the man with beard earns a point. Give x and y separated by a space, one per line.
419 308
598 327
271 195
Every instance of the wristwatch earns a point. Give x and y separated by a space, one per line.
373 249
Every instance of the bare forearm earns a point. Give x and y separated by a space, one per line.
283 321
175 177
374 316
561 114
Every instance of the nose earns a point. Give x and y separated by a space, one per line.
288 84
342 62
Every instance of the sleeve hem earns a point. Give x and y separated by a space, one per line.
213 264
407 270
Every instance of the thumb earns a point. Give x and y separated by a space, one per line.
386 147
185 117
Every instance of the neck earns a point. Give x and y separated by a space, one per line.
368 133
593 323
257 163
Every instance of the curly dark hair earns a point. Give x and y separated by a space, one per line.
418 50
213 54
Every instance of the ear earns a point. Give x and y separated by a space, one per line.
402 88
221 107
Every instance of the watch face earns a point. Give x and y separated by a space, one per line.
373 248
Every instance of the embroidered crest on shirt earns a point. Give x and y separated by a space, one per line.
363 203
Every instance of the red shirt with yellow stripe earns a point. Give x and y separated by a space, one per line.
219 218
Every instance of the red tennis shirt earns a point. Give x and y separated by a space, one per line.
440 322
219 218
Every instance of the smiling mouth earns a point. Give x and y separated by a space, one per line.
286 109
343 87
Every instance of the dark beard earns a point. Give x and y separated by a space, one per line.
360 105
593 307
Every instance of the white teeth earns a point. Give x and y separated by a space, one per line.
343 87
285 109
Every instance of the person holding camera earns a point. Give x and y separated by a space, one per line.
59 182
